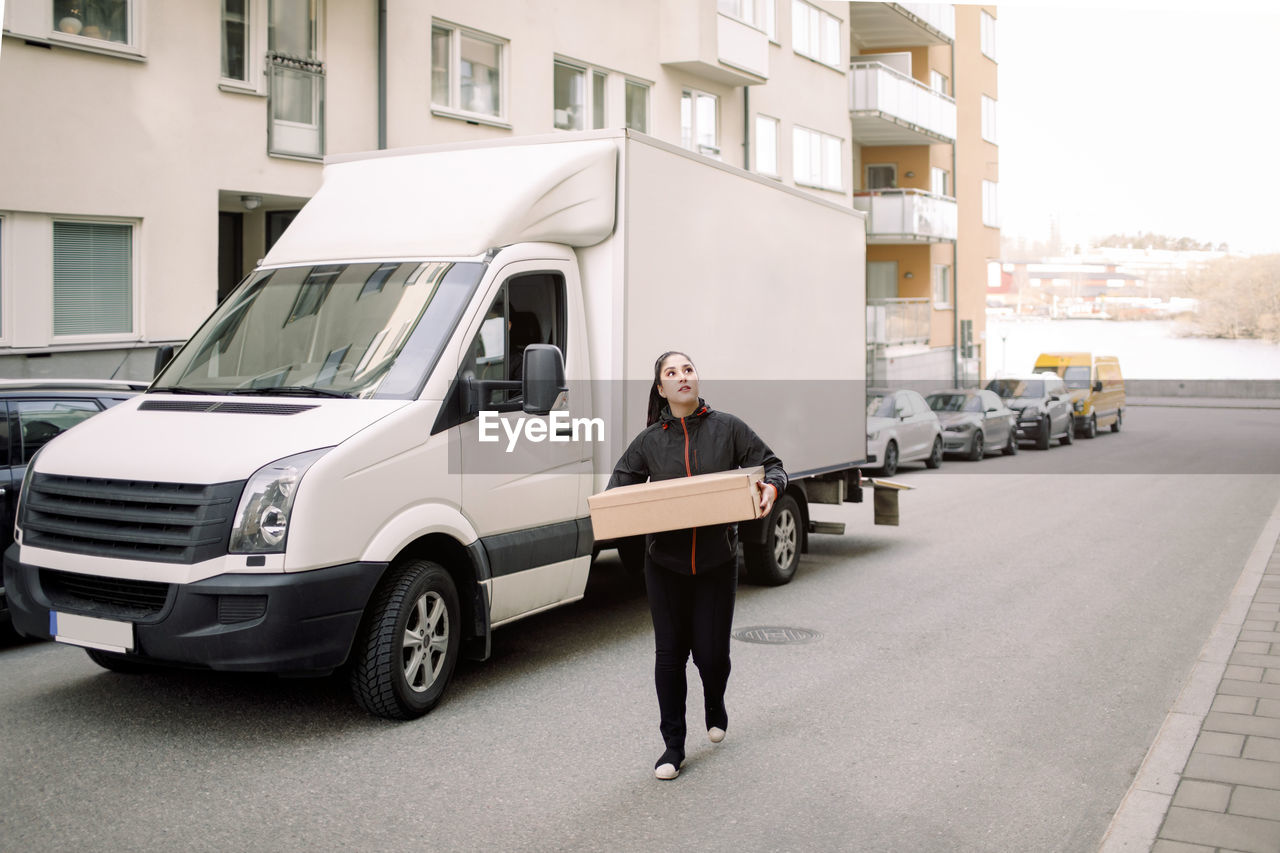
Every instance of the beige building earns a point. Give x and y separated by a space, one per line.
151 151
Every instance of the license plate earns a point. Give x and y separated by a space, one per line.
104 634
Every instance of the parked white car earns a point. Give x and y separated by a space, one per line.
901 428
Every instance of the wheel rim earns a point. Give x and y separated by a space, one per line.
785 538
426 642
936 456
891 457
977 445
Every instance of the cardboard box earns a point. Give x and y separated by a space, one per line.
720 498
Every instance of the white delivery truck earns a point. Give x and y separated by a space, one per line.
380 446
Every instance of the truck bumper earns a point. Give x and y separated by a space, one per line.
289 623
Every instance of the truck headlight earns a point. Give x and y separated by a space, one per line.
22 492
1079 406
262 519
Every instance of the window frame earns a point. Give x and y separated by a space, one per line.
825 161
594 117
133 48
777 145
453 109
691 95
256 24
938 81
820 17
987 24
989 120
941 283
893 183
938 180
627 84
135 283
990 203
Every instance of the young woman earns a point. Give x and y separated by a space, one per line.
691 575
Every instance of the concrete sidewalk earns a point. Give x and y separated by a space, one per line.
1211 780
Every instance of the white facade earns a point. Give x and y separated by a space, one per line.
141 167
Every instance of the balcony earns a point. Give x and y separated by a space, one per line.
876 26
898 322
891 108
701 41
295 107
902 216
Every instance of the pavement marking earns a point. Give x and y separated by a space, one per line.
1137 821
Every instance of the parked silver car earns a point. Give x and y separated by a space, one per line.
975 422
901 428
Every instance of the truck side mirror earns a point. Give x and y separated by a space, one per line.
1097 386
543 378
164 355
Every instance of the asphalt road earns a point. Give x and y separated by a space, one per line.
988 677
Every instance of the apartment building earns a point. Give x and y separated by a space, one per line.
923 107
151 152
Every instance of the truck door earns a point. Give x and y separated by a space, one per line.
520 475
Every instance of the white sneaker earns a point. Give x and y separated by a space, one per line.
715 734
666 771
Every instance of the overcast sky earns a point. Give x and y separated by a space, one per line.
1134 117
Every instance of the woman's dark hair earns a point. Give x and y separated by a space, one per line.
655 399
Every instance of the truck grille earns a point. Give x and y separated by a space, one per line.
128 519
105 597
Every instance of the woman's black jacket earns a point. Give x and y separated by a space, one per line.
702 443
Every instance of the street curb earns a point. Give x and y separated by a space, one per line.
1137 821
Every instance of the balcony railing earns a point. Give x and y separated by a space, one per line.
895 322
892 108
881 25
296 107
701 41
899 216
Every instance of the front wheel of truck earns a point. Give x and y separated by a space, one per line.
408 645
773 562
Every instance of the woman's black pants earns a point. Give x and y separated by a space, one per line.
691 614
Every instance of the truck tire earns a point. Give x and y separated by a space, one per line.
773 562
408 644
1091 428
117 662
1115 425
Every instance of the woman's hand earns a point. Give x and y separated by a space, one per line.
768 494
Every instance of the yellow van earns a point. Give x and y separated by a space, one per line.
1096 385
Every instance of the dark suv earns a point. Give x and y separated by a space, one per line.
33 413
1043 404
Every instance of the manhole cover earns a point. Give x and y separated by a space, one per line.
776 635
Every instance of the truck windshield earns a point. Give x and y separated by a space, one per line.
348 330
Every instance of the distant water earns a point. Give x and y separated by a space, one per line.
1147 349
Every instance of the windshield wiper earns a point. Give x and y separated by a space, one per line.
289 391
182 389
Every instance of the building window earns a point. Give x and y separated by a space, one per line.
988 118
767 146
700 122
988 35
771 19
817 159
466 71
92 278
938 181
883 176
573 110
754 13
815 33
637 106
990 208
99 20
296 79
941 286
235 40
938 82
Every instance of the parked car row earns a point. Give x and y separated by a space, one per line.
1066 395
